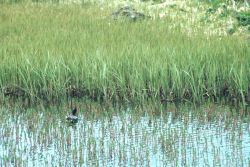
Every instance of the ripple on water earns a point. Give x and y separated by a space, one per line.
123 139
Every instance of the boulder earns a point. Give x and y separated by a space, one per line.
128 12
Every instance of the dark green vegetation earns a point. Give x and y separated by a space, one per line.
49 52
243 18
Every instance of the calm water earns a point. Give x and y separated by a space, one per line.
36 137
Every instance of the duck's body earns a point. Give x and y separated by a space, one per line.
73 117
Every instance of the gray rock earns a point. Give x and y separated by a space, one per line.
128 12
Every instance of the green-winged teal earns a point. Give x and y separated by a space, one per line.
72 118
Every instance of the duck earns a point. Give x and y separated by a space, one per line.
72 118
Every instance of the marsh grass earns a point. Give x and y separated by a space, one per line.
49 52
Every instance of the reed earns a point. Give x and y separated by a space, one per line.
52 51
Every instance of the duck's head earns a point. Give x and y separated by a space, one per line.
74 111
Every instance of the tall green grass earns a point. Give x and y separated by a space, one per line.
48 52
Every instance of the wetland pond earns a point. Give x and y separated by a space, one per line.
146 136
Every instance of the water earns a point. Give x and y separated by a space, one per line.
126 138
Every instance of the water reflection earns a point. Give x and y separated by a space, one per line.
42 138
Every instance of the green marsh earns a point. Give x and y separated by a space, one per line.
120 74
50 51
